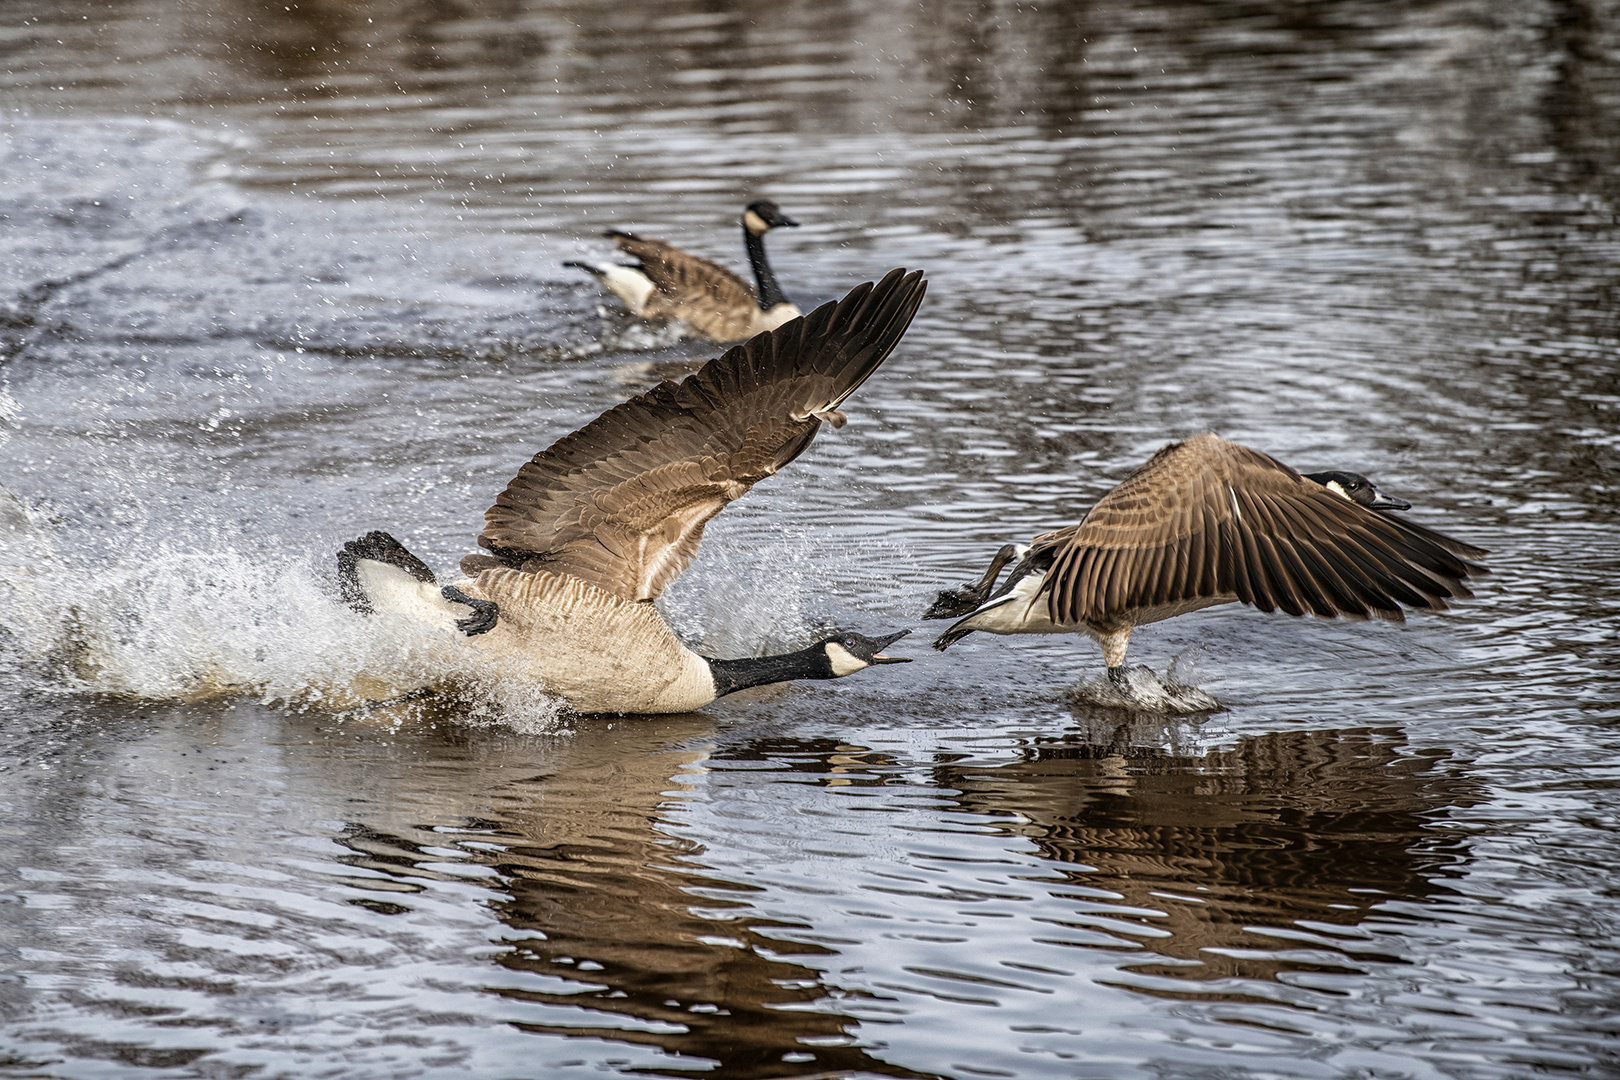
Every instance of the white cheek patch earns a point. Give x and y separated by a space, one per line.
755 224
1333 486
844 662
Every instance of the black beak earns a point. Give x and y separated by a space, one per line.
884 642
783 219
1386 502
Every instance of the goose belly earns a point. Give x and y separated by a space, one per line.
602 653
736 323
1141 616
1026 610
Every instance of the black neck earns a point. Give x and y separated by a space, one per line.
733 675
770 293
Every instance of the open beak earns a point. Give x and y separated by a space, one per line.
1386 502
885 642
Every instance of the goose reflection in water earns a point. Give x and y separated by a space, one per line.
1215 865
595 891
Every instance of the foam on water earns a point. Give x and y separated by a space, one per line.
1147 691
184 623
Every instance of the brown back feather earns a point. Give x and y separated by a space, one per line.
703 293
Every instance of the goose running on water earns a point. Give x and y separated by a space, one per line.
1209 522
594 528
668 283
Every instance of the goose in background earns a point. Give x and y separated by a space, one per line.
668 283
1209 522
594 528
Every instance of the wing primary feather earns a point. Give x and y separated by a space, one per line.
1265 526
622 501
1252 569
1061 583
1286 519
1089 600
1338 592
1111 583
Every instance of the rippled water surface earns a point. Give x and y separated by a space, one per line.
277 274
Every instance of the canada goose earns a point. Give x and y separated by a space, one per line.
1208 522
592 530
668 283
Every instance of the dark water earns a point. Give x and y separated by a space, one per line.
277 274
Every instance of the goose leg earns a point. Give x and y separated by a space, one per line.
1113 647
485 612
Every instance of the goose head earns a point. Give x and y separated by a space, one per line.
763 215
848 653
1358 489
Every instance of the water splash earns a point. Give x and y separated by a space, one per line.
180 623
1145 690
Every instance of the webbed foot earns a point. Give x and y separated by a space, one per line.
485 612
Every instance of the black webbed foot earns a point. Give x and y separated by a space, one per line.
485 612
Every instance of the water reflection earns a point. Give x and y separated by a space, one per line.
1231 865
616 935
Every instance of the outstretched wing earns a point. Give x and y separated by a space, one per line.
686 284
621 503
1206 518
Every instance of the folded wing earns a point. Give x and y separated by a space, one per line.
1207 519
622 502
688 287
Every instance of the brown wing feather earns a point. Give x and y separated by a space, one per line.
622 502
705 294
1206 519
